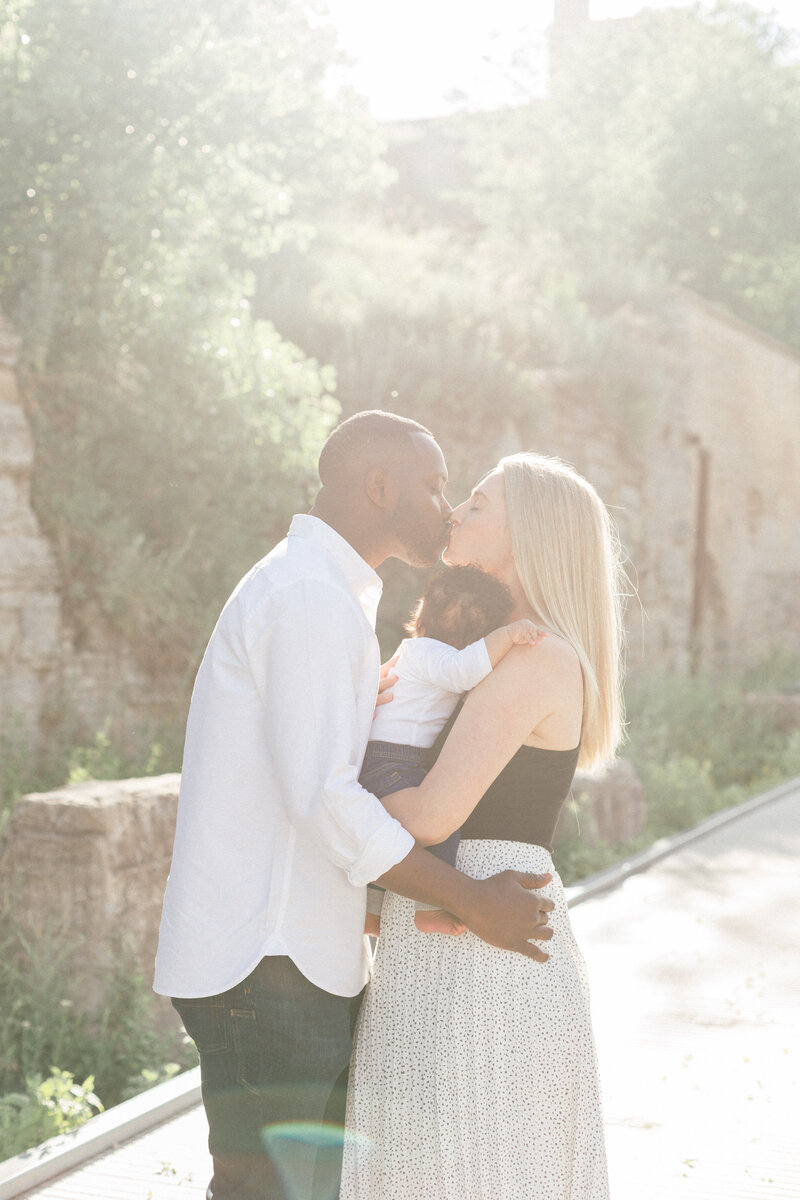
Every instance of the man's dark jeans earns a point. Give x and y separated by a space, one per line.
273 1049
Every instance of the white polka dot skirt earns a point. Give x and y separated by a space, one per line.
474 1074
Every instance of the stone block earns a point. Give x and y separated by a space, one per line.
781 709
612 805
16 515
9 632
27 563
16 441
88 864
40 622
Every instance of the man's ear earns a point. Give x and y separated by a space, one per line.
381 488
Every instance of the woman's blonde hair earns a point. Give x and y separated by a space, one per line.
567 556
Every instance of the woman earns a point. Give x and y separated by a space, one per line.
474 1073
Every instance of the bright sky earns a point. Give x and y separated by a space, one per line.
413 56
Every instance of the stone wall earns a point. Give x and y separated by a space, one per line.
612 804
701 477
30 613
718 575
44 672
86 866
742 409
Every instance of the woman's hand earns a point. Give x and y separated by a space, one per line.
386 682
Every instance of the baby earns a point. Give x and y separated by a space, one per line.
457 637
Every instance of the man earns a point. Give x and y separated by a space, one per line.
261 943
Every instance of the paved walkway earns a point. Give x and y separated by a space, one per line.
695 976
695 980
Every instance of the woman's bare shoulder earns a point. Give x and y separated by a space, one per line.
558 650
552 659
536 680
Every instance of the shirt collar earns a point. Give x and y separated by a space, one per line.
365 583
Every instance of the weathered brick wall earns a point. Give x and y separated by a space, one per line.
87 865
730 393
30 617
725 391
41 667
743 407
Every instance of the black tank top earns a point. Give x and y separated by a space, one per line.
525 800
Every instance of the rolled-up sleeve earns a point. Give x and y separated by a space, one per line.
453 670
315 663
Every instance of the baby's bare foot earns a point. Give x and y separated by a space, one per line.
372 924
436 920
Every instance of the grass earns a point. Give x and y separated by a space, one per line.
698 746
71 753
59 1065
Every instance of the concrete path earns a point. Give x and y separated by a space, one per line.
695 970
171 1162
695 977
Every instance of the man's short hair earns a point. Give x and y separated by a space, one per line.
365 440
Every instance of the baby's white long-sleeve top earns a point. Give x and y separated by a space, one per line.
431 676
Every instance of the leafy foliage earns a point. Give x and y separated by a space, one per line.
670 140
72 753
699 745
45 1109
117 1050
151 153
706 719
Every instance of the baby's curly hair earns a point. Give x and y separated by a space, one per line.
460 605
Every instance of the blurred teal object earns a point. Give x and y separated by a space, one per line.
308 1157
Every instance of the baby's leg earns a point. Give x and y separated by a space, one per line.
372 925
436 920
372 921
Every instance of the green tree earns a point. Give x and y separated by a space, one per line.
152 152
433 324
671 140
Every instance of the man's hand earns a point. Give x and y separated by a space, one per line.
503 910
386 682
507 912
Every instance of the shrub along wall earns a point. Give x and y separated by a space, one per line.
88 864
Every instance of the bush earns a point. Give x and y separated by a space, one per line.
778 673
698 746
117 1051
705 718
104 759
681 793
72 753
46 1108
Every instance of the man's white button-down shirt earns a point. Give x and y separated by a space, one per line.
276 839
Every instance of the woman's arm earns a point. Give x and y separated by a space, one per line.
526 691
